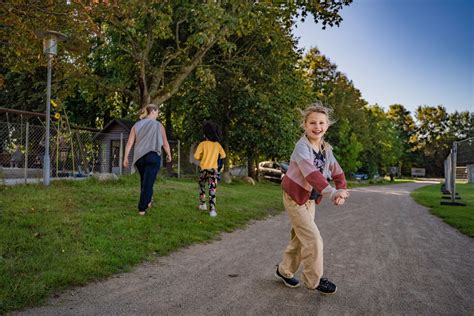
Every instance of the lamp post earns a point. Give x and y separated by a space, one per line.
50 47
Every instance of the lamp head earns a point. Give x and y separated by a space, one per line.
50 41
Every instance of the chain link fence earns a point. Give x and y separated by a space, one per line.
74 152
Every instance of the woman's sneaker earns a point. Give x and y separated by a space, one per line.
213 213
326 287
290 282
203 207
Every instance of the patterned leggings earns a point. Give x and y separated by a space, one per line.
208 175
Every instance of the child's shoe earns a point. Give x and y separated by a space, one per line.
290 282
213 213
203 207
326 287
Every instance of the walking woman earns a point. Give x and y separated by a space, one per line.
149 136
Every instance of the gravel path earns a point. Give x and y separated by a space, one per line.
386 254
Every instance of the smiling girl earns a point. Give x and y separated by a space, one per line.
311 164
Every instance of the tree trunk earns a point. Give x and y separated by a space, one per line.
250 166
257 171
143 95
170 136
226 175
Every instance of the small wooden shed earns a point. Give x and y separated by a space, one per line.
112 140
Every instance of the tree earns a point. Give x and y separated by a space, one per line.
461 125
405 125
140 51
167 40
432 138
251 92
23 71
384 148
21 27
24 91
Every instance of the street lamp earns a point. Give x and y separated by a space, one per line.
50 47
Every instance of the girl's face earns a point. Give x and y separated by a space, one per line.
315 126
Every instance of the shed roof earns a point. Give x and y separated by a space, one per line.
125 124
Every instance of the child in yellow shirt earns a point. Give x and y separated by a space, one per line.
208 152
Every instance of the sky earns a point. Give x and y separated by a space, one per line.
410 52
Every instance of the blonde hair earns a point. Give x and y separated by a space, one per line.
147 110
317 107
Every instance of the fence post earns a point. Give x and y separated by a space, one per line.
470 173
121 154
72 144
47 158
453 171
26 151
179 159
447 172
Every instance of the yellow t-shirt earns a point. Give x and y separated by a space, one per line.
207 153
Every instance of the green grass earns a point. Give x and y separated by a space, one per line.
460 217
75 232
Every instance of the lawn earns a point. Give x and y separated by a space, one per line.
75 232
460 217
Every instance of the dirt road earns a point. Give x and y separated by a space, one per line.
386 254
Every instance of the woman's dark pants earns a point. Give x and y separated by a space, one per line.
148 167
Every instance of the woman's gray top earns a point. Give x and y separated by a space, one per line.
148 138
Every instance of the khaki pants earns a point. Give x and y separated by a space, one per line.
306 244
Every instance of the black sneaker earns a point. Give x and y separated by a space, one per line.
326 287
290 282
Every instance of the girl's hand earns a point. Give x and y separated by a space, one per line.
341 193
339 201
168 158
125 163
340 196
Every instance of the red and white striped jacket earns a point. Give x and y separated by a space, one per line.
302 176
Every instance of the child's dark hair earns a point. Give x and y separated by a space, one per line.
212 131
